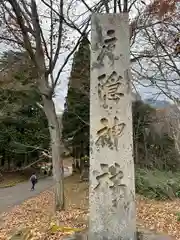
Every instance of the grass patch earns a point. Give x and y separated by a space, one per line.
178 216
157 184
11 179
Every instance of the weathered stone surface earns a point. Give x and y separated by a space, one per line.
112 205
144 235
147 235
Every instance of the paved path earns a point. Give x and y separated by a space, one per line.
12 196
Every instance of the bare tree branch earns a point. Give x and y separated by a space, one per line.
106 5
59 40
119 5
90 9
37 33
125 9
70 54
20 21
115 6
131 5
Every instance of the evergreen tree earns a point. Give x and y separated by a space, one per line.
76 114
24 129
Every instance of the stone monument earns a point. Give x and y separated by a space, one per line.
112 187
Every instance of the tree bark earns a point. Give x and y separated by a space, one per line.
57 148
3 158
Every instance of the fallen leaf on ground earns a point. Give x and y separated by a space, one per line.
37 214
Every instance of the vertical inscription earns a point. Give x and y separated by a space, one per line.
109 88
111 177
109 134
112 211
107 49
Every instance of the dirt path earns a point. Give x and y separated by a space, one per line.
12 196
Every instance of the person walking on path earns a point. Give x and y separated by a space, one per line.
33 180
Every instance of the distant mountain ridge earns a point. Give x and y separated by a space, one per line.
157 103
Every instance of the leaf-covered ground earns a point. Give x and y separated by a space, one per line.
37 214
11 179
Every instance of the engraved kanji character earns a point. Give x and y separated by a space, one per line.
108 135
108 89
107 50
111 175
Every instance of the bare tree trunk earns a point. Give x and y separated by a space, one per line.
56 144
9 162
136 152
145 148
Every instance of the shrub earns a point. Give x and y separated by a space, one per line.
157 184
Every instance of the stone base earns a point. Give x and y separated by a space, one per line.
145 235
152 236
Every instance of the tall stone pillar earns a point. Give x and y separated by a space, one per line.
112 190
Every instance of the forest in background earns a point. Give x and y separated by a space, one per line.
24 130
155 156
